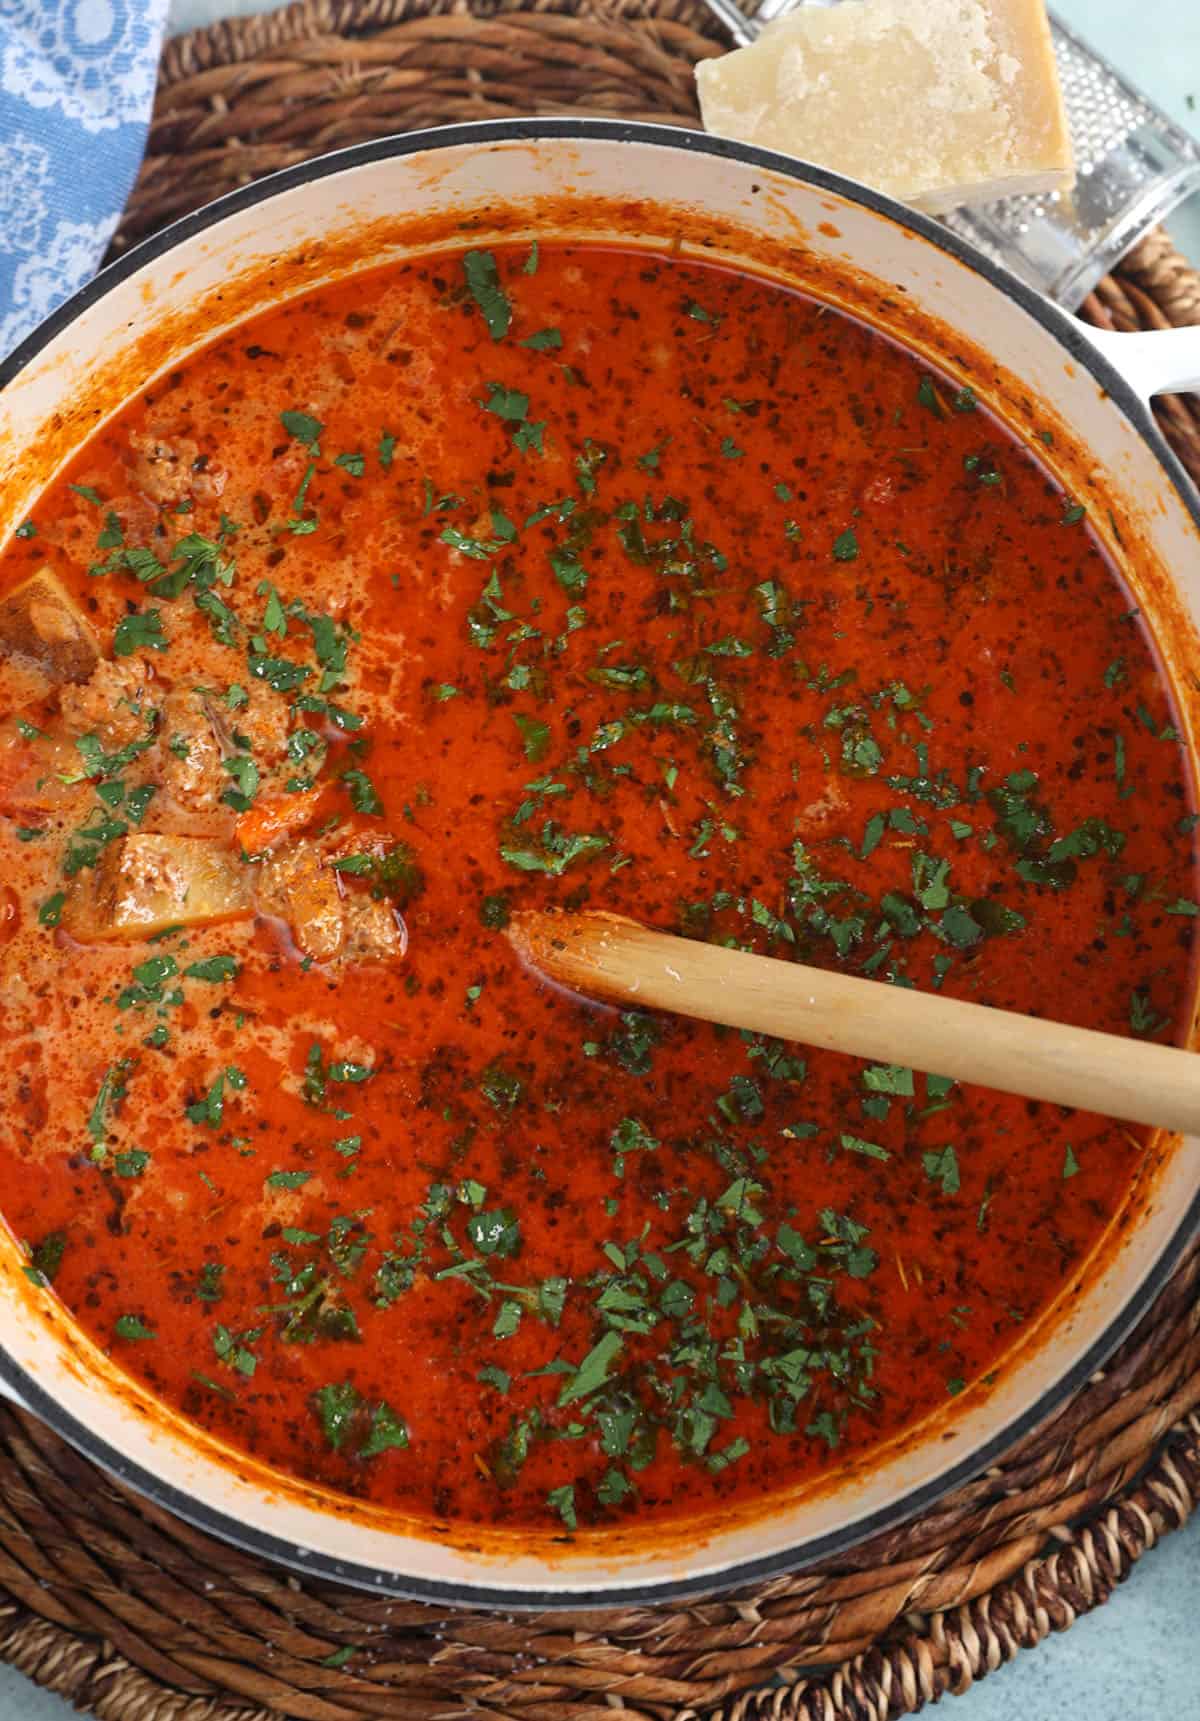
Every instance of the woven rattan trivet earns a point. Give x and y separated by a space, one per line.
130 1613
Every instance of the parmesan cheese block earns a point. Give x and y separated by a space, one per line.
938 102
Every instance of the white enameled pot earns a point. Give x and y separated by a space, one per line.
653 186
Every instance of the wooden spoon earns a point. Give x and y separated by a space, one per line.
607 956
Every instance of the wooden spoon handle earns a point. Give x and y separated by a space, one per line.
607 956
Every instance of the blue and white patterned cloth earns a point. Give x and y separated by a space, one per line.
76 86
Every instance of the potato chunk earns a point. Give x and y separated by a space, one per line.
43 626
329 922
374 932
144 883
296 886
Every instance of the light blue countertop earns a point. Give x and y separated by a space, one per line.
1138 1657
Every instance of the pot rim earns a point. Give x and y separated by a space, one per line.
1071 336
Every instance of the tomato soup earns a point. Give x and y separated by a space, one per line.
585 577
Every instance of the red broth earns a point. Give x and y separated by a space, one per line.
574 577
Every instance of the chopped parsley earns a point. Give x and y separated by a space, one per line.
133 1328
483 283
305 429
140 631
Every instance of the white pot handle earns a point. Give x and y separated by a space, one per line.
1156 361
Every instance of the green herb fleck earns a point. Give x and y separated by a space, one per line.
133 1327
483 282
305 429
141 631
